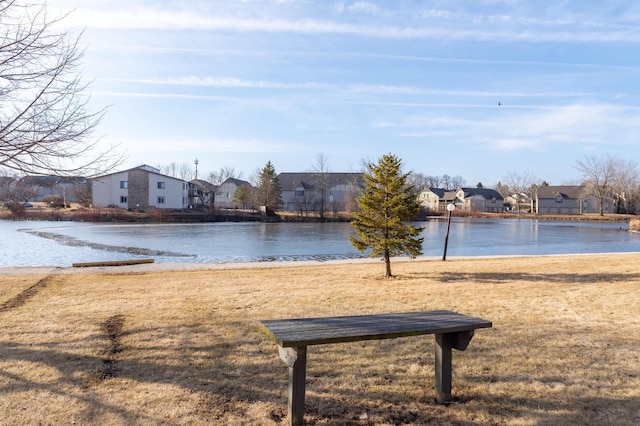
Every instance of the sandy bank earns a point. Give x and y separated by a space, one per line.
177 267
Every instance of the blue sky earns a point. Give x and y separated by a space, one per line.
470 88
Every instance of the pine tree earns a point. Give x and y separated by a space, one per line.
242 196
268 192
385 203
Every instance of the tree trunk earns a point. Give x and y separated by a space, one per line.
387 261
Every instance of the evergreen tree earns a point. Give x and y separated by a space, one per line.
242 196
385 203
268 192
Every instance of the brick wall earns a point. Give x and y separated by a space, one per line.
138 189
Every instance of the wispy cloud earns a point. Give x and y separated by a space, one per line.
225 82
536 129
237 83
439 26
210 146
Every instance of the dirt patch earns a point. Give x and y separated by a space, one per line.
113 328
22 298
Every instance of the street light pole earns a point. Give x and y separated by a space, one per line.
450 208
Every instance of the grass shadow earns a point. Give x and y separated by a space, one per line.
504 277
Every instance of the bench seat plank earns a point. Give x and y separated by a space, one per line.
299 332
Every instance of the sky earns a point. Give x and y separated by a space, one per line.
477 89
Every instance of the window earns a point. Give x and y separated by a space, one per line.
161 200
299 192
493 200
124 184
123 199
559 199
160 185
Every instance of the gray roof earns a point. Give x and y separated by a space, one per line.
48 181
143 167
310 180
486 193
203 184
236 182
438 191
568 192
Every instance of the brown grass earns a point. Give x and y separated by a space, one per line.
634 224
171 348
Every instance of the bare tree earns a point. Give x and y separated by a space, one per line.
320 169
82 191
433 181
420 181
170 169
451 183
185 171
45 126
502 189
222 174
520 185
14 192
598 174
626 185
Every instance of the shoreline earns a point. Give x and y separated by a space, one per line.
184 267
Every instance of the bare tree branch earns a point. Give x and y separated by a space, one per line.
598 174
45 125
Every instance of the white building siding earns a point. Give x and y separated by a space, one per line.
106 190
140 188
166 192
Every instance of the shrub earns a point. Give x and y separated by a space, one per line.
634 225
53 201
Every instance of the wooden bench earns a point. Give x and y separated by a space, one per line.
451 329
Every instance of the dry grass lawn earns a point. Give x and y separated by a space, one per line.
173 348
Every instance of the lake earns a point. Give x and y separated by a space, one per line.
34 243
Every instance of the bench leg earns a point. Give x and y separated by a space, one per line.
443 367
296 360
444 343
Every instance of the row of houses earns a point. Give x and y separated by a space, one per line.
143 187
465 199
547 200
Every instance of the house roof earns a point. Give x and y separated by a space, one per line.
203 184
143 167
568 192
310 180
486 193
236 182
449 196
48 181
438 191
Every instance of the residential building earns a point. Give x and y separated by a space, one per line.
436 199
320 192
483 200
140 188
225 194
201 193
569 200
466 199
46 185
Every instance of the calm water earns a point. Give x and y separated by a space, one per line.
32 243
